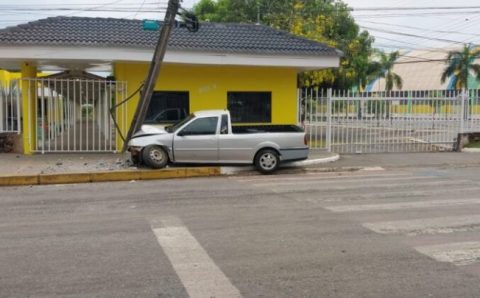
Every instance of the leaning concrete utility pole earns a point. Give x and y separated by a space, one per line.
154 71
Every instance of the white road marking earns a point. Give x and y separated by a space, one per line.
360 185
437 225
460 253
309 180
199 274
321 176
403 205
372 169
393 194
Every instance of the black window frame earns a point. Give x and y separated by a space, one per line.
241 105
156 108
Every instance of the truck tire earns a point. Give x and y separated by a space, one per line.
154 157
267 161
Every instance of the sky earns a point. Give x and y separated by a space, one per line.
395 24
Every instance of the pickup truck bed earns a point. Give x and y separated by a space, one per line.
243 129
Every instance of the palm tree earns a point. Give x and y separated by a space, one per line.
459 65
385 66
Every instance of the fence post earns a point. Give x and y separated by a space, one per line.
18 98
329 120
299 112
462 112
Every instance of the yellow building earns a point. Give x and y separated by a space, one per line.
249 69
6 76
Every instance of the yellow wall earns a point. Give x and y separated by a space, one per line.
6 76
208 85
28 108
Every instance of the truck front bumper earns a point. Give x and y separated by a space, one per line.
135 153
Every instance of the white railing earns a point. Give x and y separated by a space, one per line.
10 100
368 122
72 115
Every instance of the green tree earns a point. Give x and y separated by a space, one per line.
326 21
459 66
384 69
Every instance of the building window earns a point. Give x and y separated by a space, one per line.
168 107
250 107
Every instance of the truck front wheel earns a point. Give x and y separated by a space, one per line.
154 157
267 161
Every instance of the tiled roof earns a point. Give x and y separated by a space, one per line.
212 37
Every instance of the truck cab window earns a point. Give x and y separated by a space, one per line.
201 126
224 125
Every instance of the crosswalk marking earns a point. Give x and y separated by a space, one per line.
346 180
402 205
199 274
327 176
312 185
391 194
394 191
437 225
458 253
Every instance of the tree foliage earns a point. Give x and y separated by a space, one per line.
459 66
326 21
383 68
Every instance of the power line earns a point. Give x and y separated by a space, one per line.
91 9
68 4
411 35
390 8
423 29
420 14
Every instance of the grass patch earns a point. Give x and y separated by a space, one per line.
316 143
475 144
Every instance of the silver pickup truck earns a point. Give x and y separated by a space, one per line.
208 137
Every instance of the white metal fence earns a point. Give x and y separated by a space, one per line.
401 121
72 115
10 99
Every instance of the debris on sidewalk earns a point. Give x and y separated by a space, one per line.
13 164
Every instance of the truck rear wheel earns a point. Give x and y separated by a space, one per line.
154 157
267 161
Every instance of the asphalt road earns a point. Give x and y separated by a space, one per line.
405 232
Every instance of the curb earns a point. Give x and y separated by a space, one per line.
303 163
128 175
311 162
345 169
471 150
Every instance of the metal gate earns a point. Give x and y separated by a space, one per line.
400 121
10 98
73 115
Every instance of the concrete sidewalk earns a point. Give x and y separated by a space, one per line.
402 160
14 164
315 159
82 168
17 164
73 168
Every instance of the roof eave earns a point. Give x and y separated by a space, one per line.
88 55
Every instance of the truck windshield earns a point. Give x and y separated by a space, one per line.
176 126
